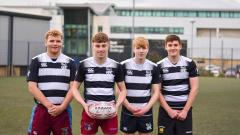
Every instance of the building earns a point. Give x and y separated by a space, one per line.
210 30
21 38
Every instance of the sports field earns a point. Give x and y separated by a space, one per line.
216 111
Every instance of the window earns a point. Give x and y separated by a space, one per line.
148 30
100 28
180 13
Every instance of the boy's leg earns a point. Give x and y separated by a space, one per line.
41 123
185 127
166 125
89 126
128 123
145 124
110 126
61 124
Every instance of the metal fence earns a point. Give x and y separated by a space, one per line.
15 61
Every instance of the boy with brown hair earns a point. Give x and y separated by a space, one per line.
179 89
99 74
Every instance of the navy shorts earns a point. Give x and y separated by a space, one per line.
169 126
131 124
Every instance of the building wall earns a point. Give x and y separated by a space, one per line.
3 39
28 31
221 29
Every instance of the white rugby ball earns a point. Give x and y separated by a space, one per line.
102 110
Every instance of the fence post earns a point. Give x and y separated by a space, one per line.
28 53
222 54
210 47
231 61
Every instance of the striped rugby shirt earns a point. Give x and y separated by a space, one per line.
175 80
99 79
138 80
52 76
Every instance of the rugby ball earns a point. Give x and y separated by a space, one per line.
102 110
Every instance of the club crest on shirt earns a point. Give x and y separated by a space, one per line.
148 73
129 72
165 70
90 70
183 69
109 70
63 65
43 64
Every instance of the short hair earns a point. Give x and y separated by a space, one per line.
171 38
141 42
100 38
53 33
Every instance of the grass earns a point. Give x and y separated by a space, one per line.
216 110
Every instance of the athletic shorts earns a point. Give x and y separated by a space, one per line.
130 124
169 126
42 123
90 126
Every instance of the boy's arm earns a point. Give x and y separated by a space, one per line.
171 112
122 92
38 95
58 109
191 98
77 95
153 99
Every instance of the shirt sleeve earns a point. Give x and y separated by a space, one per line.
160 73
80 74
193 71
32 74
119 75
156 78
124 70
72 70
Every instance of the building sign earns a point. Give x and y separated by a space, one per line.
115 47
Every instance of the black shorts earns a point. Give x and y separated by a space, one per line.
131 124
169 126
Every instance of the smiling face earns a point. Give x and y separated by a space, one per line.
173 45
100 46
53 45
100 50
53 42
173 48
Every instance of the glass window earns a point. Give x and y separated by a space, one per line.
100 28
146 30
180 13
224 14
169 13
192 14
202 14
215 15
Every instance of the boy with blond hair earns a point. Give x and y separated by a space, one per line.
141 79
49 78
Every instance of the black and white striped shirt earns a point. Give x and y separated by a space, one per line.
52 76
138 80
175 80
99 79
